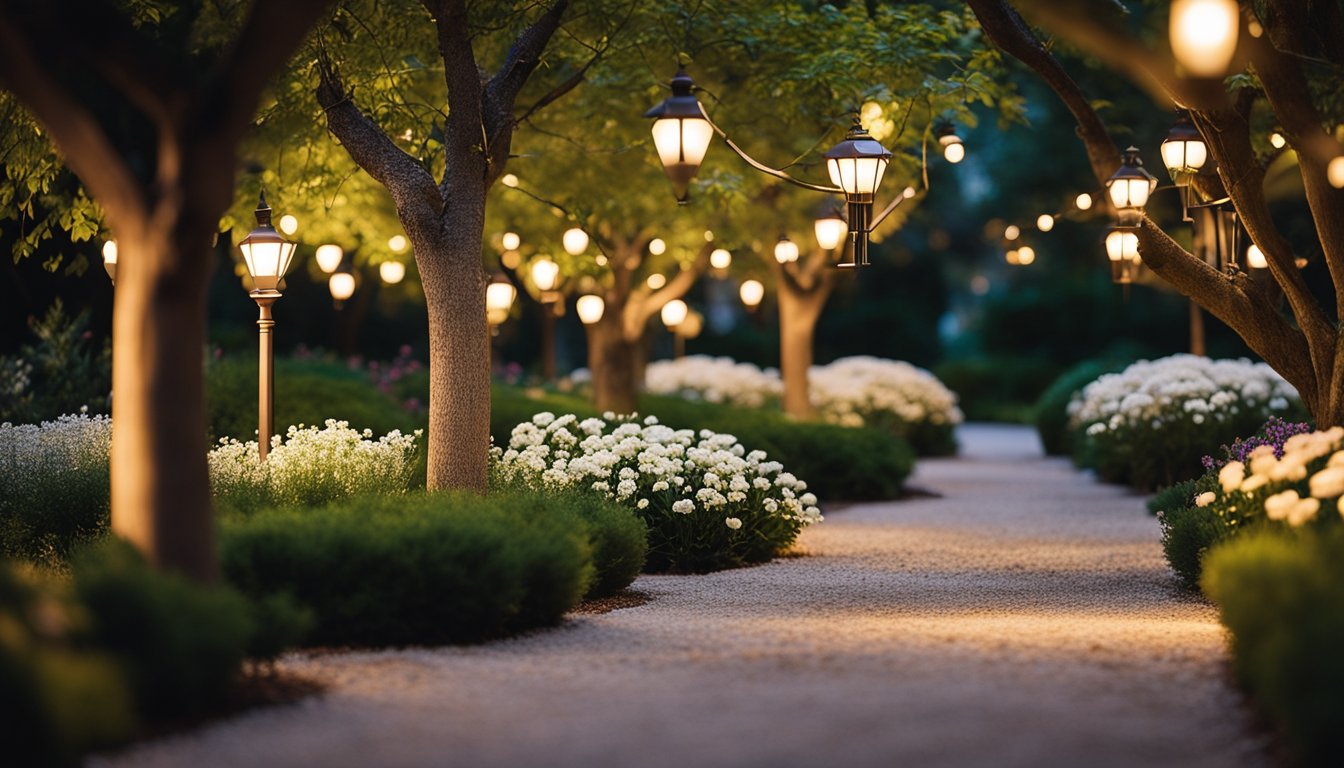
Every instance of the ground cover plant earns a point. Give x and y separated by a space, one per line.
707 502
1150 424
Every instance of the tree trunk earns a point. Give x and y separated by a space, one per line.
798 314
611 358
160 483
1197 345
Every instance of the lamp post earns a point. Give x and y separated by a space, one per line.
1129 188
267 255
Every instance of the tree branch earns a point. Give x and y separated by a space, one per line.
643 306
560 90
464 128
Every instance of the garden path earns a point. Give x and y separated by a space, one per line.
1022 618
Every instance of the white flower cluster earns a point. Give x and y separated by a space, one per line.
715 380
1274 484
655 468
1179 389
855 391
314 464
34 457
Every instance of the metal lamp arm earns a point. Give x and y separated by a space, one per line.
893 205
765 168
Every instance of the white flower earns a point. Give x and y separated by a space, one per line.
1231 476
733 522
1205 499
1327 483
683 506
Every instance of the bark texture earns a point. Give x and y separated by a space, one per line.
1305 345
803 292
164 210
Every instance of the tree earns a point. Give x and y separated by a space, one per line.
148 110
1291 85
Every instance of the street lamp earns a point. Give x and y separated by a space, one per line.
110 260
1122 249
674 314
575 241
681 134
590 308
267 255
1204 35
1129 188
752 292
1183 151
786 251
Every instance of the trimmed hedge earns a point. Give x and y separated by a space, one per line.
1052 408
1281 594
420 569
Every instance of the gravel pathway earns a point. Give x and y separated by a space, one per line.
1022 618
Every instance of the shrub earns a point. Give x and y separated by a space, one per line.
54 486
1051 413
714 380
1150 424
312 466
422 569
907 401
707 502
1189 531
998 388
61 373
1281 595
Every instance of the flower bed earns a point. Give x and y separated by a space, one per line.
894 395
714 380
708 503
1150 424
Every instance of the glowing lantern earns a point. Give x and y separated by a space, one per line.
392 272
720 258
1129 188
681 134
590 308
575 241
752 292
1204 35
329 257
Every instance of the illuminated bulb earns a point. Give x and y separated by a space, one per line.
1255 258
1204 35
1012 257
786 251
908 193
600 260
1045 222
720 258
1276 140
545 274
288 224
397 243
674 313
1122 245
830 232
110 252
329 257
575 241
955 152
657 247
1335 172
511 241
499 297
590 308
1083 201
1011 232
341 285
1025 255
655 281
709 235
752 291
392 272
509 180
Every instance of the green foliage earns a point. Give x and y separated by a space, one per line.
61 698
423 569
1052 409
1281 594
60 373
306 392
1189 531
997 388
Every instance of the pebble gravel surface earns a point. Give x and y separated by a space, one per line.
1021 617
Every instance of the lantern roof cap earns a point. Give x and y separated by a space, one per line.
858 143
1131 167
682 103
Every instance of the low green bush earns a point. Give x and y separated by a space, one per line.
416 569
61 372
1281 595
1051 413
1189 531
997 388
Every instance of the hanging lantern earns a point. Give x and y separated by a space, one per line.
681 134
398 244
1026 255
1083 201
856 166
590 308
510 241
392 272
752 292
1045 222
674 313
786 251
830 227
1122 249
329 257
954 151
546 276
289 224
499 296
1183 151
575 241
1204 35
657 246
342 287
721 258
656 281
1129 188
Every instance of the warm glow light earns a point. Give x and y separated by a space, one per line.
1045 222
954 153
1011 232
1129 193
600 260
1335 172
575 241
674 312
1183 151
392 272
908 193
511 241
1012 258
499 297
329 257
1276 140
709 235
1083 201
1204 35
341 285
1025 255
786 251
682 141
110 252
657 247
509 180
655 281
830 232
720 258
1255 258
590 308
397 243
752 291
1122 245
545 274
288 224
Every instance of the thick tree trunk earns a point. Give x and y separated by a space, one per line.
798 314
160 484
611 358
